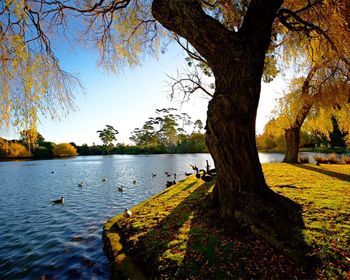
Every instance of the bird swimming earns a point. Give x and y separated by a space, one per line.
154 174
188 173
127 213
120 189
80 185
104 179
58 201
134 182
170 183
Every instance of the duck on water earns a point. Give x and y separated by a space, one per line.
58 201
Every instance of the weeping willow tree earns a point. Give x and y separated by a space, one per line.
232 37
323 92
32 81
319 120
323 55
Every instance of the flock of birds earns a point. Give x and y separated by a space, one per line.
205 174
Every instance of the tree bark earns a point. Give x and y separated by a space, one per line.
292 134
237 61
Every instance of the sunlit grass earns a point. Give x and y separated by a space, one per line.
324 194
174 235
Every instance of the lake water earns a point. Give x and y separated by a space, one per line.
40 239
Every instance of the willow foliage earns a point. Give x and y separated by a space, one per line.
122 32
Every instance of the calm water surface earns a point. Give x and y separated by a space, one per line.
64 241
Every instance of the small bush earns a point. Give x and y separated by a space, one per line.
320 159
64 150
14 150
332 159
346 159
304 159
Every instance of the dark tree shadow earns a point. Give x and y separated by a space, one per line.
211 246
340 176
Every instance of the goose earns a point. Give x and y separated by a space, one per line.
212 172
127 213
208 166
194 167
120 189
154 174
80 185
58 201
205 177
170 183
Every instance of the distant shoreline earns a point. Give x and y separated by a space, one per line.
302 150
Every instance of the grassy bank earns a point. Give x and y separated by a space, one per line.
173 235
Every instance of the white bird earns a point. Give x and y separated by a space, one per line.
120 189
134 182
80 185
127 213
104 179
58 201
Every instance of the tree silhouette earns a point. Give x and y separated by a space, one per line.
108 135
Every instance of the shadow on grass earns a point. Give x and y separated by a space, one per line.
340 176
193 242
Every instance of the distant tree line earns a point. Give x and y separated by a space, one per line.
33 145
166 132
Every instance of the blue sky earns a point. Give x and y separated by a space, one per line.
125 100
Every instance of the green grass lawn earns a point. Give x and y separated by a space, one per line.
173 235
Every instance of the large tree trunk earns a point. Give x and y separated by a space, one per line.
231 139
237 61
292 136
